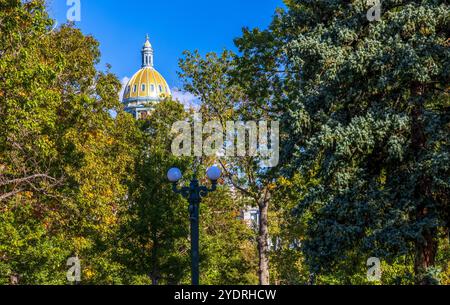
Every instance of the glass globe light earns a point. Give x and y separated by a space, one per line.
174 175
214 173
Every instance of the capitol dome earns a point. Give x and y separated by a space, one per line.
146 87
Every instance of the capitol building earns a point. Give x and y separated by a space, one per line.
146 88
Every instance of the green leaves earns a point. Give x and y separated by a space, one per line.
365 90
66 160
357 96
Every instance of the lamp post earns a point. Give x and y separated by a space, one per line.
194 194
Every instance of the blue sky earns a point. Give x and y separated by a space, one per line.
173 26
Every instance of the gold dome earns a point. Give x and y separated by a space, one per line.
147 85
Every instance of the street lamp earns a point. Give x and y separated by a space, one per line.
194 194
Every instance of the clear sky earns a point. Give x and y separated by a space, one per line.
173 26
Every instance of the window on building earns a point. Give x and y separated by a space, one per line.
152 88
135 88
143 87
160 88
254 218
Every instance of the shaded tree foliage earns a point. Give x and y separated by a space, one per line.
367 102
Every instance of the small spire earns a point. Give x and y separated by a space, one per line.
147 38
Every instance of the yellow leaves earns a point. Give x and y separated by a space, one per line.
81 244
88 274
110 220
235 213
90 195
382 177
272 186
445 276
447 43
46 145
109 193
426 31
283 182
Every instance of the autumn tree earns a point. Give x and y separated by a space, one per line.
64 160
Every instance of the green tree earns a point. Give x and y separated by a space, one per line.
367 102
64 160
227 243
154 242
212 80
154 237
288 232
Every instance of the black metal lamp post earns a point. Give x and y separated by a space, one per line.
194 193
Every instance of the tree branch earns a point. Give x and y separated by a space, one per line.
230 177
27 179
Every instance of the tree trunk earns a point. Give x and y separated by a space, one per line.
154 275
426 247
425 257
263 237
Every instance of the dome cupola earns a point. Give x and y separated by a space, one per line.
147 54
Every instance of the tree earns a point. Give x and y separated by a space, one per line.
227 243
288 232
153 241
64 160
211 79
77 181
368 102
385 101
